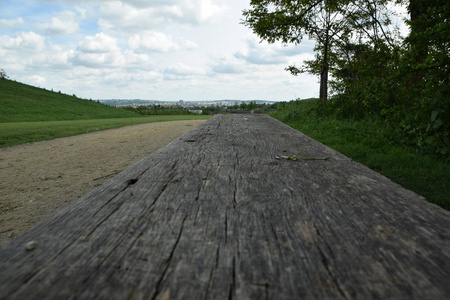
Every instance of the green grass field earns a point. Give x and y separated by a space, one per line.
368 142
16 133
30 114
24 103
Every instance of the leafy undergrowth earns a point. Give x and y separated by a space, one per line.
369 142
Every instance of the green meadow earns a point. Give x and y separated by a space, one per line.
15 133
31 114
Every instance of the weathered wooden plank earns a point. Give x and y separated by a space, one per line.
218 214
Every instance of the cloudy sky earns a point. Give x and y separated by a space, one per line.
147 49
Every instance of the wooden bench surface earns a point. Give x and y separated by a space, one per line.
220 214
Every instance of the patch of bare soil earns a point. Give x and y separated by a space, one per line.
38 180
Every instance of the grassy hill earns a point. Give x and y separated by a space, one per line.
30 114
24 103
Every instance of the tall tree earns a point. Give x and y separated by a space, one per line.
328 22
427 64
290 21
365 55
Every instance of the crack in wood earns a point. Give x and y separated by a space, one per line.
232 289
226 226
326 264
235 189
108 215
196 215
122 190
97 268
235 195
167 262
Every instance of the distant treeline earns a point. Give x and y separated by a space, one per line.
243 108
157 110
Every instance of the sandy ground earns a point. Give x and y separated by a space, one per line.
37 180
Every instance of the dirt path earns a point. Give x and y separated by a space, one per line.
38 180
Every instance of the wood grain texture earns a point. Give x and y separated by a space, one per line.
219 214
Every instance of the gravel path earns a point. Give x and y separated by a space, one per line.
37 180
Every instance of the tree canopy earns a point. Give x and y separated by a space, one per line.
335 25
364 63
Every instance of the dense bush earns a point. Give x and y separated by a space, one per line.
396 126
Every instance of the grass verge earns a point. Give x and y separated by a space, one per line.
368 142
15 133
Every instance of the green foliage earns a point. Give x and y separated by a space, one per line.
339 28
425 65
243 108
374 74
374 143
24 103
407 85
157 110
248 106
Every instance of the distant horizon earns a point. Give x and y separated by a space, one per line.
213 100
140 99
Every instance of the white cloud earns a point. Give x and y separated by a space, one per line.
159 42
24 41
98 60
199 11
137 60
153 3
58 58
100 43
189 45
154 41
30 52
12 23
67 22
123 16
148 76
256 54
120 78
99 51
227 65
36 80
180 71
53 57
105 26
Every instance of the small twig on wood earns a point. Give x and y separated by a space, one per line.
295 157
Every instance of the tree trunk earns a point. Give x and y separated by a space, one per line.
323 90
417 8
323 93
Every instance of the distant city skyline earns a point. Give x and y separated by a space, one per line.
185 103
